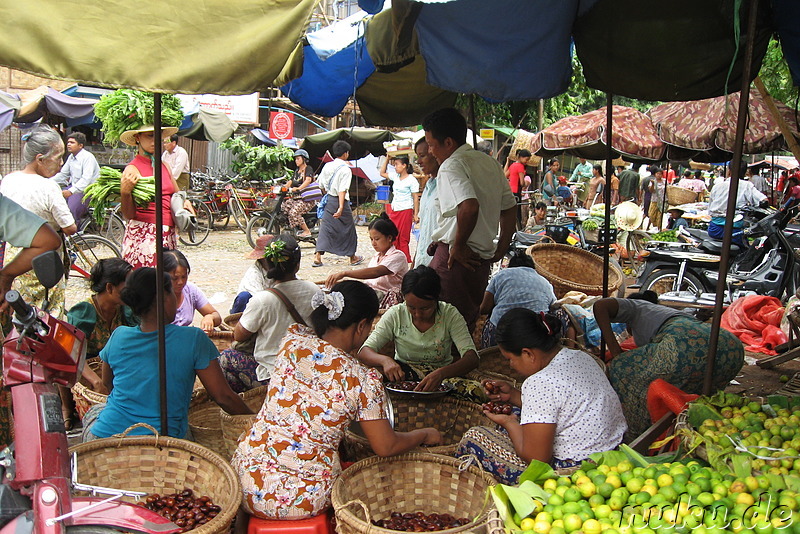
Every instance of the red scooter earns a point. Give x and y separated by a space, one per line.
38 478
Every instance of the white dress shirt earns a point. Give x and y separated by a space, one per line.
78 172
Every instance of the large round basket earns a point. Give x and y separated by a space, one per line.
221 339
234 425
678 195
162 465
205 422
450 416
416 482
492 361
84 396
573 269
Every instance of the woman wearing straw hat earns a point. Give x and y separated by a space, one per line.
139 242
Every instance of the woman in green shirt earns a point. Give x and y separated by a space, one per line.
424 332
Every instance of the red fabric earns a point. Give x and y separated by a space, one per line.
756 321
663 397
148 213
513 175
402 219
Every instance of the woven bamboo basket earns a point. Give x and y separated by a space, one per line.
222 339
84 396
450 416
234 425
678 195
573 269
492 361
374 488
205 422
162 465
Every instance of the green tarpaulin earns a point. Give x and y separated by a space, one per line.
180 46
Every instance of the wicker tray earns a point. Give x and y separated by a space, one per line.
678 195
573 269
84 396
162 465
205 422
234 425
492 361
375 487
452 417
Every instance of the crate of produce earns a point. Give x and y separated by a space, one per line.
162 465
367 493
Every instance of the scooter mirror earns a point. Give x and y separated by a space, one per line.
49 268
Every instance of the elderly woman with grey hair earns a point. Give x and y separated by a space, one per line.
33 189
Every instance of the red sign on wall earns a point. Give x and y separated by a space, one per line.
281 125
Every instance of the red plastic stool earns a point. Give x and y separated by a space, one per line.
321 524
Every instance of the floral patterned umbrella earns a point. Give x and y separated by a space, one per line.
710 124
633 136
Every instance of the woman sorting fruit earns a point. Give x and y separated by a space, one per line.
190 297
130 368
386 269
268 316
671 345
568 409
424 331
289 460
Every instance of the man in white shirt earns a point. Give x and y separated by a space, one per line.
747 195
177 160
475 199
80 170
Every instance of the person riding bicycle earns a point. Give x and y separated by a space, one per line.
306 193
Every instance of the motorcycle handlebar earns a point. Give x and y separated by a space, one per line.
23 311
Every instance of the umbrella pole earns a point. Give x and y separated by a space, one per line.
162 346
472 120
733 192
607 200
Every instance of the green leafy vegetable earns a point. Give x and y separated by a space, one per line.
104 191
128 109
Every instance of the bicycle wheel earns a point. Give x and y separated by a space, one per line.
114 228
85 251
238 212
262 225
199 230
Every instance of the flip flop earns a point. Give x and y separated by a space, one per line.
359 261
317 264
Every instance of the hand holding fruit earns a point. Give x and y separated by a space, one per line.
431 382
502 418
392 370
499 390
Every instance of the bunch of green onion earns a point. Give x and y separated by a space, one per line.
106 190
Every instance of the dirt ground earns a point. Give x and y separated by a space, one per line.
219 263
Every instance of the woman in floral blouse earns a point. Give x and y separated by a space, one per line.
289 460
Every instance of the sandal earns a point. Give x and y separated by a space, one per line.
317 264
358 261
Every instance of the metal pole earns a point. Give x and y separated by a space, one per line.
472 120
733 191
162 345
607 190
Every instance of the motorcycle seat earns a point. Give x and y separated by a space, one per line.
525 239
713 246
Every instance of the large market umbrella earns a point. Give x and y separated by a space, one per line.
633 136
31 106
362 141
208 125
709 125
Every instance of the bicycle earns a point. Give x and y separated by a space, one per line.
244 203
112 227
200 225
210 190
84 251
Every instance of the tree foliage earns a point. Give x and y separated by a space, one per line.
264 163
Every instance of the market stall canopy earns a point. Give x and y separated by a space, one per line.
214 46
786 163
633 136
709 125
30 106
208 125
362 141
262 137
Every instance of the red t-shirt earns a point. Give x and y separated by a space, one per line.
513 175
148 213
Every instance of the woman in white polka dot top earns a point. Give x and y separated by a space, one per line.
568 408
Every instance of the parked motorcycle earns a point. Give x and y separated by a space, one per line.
37 475
271 220
685 274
